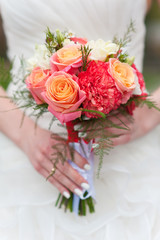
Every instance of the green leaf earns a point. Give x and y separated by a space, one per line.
92 111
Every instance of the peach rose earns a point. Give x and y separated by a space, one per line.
123 74
66 58
63 96
36 83
124 77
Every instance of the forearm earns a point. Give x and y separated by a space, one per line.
156 96
10 119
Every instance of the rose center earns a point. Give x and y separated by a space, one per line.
125 75
67 54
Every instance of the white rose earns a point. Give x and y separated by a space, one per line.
41 58
101 49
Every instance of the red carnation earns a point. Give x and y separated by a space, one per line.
101 91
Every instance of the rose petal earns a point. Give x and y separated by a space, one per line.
58 108
67 104
119 84
82 41
36 83
82 97
56 64
37 94
63 118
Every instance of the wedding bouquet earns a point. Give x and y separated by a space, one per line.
84 84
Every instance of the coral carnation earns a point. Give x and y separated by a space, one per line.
101 91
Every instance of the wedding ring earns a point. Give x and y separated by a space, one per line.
53 171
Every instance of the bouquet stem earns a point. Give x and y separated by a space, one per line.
84 204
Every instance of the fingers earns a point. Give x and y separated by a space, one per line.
68 183
61 147
62 189
78 159
121 139
72 174
120 120
66 176
112 126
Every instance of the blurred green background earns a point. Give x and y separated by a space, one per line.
152 49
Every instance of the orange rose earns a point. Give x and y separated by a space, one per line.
68 56
123 74
36 83
37 78
63 96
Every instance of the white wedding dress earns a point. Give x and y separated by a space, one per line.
128 191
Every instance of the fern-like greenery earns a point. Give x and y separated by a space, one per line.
123 42
104 130
140 101
85 53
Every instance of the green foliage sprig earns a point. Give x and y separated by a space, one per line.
103 130
85 53
54 41
141 101
100 129
123 42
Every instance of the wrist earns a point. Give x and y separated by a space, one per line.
156 100
23 133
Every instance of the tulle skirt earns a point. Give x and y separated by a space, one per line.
127 197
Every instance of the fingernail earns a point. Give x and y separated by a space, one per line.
66 194
78 192
82 134
95 145
77 127
86 118
85 186
87 167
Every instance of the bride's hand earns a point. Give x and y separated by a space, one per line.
39 146
144 120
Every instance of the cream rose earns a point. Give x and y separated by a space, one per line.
101 49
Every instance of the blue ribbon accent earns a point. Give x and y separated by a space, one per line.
84 150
